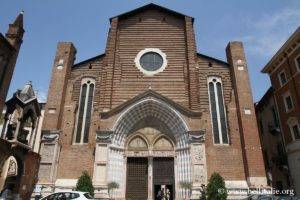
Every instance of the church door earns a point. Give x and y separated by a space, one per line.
137 179
163 175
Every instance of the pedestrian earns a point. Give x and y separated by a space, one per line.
163 194
7 193
168 194
159 195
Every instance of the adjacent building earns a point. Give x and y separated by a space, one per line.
20 122
284 72
9 49
272 142
150 113
19 164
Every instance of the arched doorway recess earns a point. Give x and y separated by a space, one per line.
130 132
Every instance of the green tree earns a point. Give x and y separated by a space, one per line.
85 184
216 189
111 186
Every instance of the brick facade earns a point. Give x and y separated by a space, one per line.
174 101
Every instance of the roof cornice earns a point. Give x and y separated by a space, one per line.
149 6
292 43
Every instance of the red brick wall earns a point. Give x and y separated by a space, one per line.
292 86
253 161
122 80
184 81
58 84
225 159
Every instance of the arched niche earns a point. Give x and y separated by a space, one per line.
163 143
9 172
137 143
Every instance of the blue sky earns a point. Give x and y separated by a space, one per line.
263 26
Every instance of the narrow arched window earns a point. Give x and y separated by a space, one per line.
217 109
84 111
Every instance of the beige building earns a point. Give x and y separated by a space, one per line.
150 112
284 72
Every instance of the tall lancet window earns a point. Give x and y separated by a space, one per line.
84 111
217 109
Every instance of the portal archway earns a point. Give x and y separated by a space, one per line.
150 112
9 173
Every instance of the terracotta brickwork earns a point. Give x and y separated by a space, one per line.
222 158
58 83
251 148
149 29
182 87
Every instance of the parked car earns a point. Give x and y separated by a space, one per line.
262 197
68 196
288 198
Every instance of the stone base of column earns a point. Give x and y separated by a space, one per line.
196 192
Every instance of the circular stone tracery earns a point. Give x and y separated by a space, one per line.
151 61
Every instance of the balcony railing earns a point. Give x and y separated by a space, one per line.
274 129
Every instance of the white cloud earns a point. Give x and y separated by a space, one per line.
268 33
277 20
41 96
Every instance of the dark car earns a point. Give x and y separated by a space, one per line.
288 198
262 197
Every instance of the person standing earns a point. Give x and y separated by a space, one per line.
163 194
168 194
159 195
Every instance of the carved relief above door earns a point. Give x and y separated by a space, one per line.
150 140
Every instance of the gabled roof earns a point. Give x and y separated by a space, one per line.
23 98
89 60
211 58
151 93
150 6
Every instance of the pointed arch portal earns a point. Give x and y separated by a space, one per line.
151 108
150 112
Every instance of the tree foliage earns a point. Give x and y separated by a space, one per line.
85 184
111 186
216 189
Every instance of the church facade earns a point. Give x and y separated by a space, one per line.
150 112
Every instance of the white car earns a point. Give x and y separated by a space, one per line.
68 195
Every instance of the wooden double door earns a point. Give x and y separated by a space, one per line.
138 176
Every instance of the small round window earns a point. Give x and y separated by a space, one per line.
151 61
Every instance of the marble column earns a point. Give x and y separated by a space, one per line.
150 178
